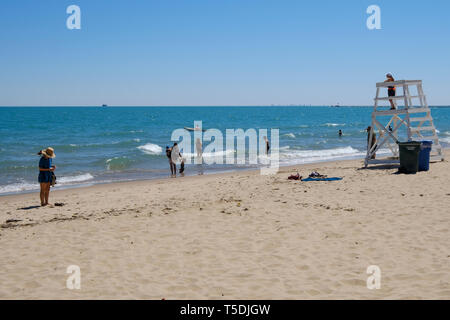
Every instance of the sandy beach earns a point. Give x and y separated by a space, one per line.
236 235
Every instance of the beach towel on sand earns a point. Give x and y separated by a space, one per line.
322 179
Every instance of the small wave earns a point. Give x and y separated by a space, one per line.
18 168
302 156
289 135
117 163
74 179
446 139
19 187
310 156
209 154
73 146
150 148
333 124
27 186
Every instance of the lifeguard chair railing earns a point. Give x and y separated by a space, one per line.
410 120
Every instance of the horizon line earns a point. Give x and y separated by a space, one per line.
201 106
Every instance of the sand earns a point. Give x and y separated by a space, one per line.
237 235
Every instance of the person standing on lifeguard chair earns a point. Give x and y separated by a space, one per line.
391 90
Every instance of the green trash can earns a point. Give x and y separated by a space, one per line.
409 156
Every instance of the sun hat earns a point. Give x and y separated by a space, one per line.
49 152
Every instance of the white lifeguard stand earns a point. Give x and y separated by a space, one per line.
405 114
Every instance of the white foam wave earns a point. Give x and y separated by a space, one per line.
150 148
19 187
209 154
290 135
75 179
27 186
446 139
324 153
291 157
333 124
309 156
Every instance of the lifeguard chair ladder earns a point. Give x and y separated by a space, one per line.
406 114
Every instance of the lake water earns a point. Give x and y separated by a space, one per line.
100 145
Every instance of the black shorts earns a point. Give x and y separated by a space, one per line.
391 92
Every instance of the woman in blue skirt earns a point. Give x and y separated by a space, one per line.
45 173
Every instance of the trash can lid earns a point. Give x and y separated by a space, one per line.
410 143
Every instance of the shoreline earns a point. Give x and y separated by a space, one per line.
212 172
234 235
89 183
161 179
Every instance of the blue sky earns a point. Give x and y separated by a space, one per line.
219 52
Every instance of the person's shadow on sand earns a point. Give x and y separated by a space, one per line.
381 167
29 208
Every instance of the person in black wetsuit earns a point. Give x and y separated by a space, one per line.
173 168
